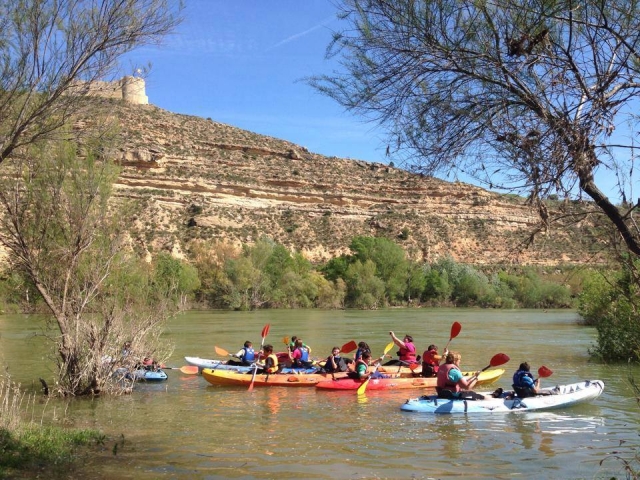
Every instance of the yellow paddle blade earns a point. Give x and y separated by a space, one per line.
388 347
363 388
221 351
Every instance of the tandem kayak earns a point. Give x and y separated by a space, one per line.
398 382
201 363
225 377
556 397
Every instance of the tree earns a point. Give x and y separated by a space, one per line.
520 95
61 234
52 51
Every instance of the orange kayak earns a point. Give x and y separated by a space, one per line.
226 377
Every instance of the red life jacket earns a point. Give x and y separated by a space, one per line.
429 357
443 377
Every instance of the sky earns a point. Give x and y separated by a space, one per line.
243 63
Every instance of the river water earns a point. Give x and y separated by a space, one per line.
185 428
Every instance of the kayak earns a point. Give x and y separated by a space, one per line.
399 382
201 363
555 397
225 377
142 374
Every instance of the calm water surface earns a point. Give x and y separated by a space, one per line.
186 428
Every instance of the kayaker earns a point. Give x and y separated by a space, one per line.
292 344
362 367
246 355
407 352
300 356
362 348
431 361
270 361
335 363
451 384
523 383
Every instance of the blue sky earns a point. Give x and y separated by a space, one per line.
242 63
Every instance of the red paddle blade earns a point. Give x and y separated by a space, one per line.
544 372
499 359
413 366
349 347
455 330
265 330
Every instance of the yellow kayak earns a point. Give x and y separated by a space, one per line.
226 377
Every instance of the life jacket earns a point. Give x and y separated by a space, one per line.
274 359
429 357
304 357
408 353
517 379
443 377
249 355
359 353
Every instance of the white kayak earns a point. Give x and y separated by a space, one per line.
215 364
554 397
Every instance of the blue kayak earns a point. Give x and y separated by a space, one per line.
143 375
557 397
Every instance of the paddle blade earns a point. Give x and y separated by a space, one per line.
285 340
413 366
189 369
265 330
499 359
221 351
349 347
544 372
362 388
455 330
388 347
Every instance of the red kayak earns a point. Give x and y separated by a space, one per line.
484 378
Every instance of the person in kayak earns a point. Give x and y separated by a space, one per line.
335 363
451 384
270 361
523 383
431 361
407 352
300 356
361 369
362 348
246 355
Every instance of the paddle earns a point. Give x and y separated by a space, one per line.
362 388
349 347
544 372
221 351
187 369
497 360
455 331
265 331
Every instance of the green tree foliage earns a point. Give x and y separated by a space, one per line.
175 279
364 289
63 237
609 301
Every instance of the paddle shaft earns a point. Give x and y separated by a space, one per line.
265 331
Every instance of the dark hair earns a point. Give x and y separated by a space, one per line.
366 354
432 347
247 344
364 346
409 337
268 348
525 366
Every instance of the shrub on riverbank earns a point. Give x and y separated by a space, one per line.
27 446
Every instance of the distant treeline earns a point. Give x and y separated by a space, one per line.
376 274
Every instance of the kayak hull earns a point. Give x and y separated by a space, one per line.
558 397
143 375
224 377
400 383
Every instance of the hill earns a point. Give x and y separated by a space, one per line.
200 179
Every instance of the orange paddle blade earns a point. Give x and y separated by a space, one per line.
221 351
349 347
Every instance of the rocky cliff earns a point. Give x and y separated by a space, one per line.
201 179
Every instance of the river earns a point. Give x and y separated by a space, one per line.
187 429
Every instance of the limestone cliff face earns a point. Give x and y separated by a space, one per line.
201 179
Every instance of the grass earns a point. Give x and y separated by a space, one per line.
27 447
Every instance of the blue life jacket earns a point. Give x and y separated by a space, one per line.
518 379
304 354
249 355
